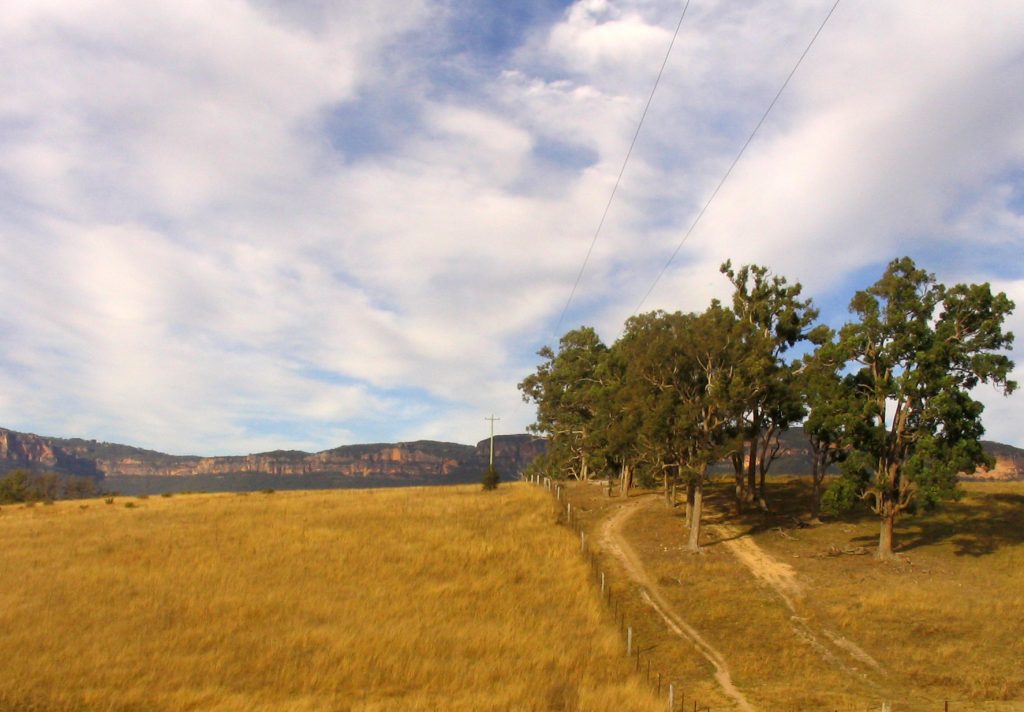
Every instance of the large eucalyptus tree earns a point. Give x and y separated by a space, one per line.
913 373
771 319
567 389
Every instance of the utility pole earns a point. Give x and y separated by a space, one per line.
492 419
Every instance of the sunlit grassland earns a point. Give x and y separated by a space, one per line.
411 599
945 622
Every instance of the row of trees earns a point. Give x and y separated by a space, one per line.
22 485
888 395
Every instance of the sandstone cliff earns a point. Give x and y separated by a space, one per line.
33 452
421 461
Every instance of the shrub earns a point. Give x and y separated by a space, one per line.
491 478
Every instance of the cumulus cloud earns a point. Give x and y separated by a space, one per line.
232 226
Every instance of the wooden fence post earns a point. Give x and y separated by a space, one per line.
671 697
629 641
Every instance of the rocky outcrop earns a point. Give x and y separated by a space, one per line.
33 452
1009 464
512 453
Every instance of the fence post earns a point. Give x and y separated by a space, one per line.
629 641
671 694
602 593
583 542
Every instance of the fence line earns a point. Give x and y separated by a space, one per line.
660 683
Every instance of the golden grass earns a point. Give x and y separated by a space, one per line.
946 622
412 599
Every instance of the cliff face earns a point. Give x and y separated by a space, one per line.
32 452
1009 463
512 453
426 461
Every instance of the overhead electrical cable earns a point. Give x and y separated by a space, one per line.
622 170
736 159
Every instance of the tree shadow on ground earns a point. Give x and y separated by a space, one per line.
975 526
789 500
978 525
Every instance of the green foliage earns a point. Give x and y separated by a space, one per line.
846 491
889 397
14 487
568 392
26 486
913 372
491 478
770 320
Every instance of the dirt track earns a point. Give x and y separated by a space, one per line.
781 578
614 542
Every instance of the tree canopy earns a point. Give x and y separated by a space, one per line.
889 394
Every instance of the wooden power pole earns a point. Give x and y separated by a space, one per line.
492 419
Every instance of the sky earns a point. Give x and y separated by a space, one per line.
231 226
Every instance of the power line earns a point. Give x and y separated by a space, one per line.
737 159
622 170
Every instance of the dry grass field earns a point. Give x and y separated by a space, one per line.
805 621
412 599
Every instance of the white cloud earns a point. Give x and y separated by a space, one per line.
200 260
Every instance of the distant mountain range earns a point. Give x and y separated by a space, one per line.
423 461
419 462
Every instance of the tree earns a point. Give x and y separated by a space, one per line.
491 478
771 318
14 487
913 375
680 371
829 400
566 390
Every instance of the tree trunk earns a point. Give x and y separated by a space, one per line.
689 502
885 536
752 471
627 479
815 488
698 502
762 498
667 492
737 468
819 465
